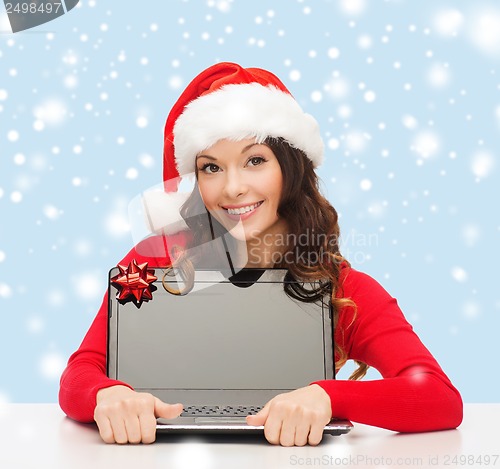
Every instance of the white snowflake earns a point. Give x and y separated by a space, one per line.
448 22
459 274
482 164
471 310
438 76
38 125
142 122
333 144
82 247
50 112
344 111
70 58
426 144
5 290
333 53
131 173
56 298
294 75
51 365
377 209
370 96
51 212
337 88
16 197
316 96
471 234
365 184
484 30
356 141
175 82
365 41
116 223
12 135
410 122
35 324
224 6
19 159
70 81
353 7
87 285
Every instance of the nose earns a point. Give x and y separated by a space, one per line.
235 185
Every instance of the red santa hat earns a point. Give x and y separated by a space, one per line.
226 101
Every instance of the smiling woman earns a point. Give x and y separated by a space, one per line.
254 153
240 184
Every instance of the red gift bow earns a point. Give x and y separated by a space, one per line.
134 281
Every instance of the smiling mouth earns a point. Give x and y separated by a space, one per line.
243 210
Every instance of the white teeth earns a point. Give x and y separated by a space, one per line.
241 210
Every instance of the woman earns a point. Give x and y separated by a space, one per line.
253 152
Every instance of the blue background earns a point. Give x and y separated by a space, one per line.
407 95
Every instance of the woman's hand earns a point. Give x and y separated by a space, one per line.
295 418
127 416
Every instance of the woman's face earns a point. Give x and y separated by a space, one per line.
240 184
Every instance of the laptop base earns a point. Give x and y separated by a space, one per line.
236 425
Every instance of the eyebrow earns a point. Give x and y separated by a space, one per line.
242 151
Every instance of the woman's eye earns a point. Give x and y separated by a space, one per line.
209 168
256 160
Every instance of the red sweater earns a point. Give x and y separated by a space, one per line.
414 395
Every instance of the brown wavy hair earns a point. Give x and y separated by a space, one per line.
308 214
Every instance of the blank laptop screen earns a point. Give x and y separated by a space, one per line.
221 336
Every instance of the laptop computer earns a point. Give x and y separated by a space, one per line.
223 349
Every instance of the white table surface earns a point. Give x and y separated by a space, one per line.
40 436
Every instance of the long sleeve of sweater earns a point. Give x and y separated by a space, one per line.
415 394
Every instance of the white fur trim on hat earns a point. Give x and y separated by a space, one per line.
240 111
162 211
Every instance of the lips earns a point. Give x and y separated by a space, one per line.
242 212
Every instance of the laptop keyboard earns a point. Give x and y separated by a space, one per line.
216 410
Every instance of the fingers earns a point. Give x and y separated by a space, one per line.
135 429
118 431
125 416
285 425
315 435
302 433
260 417
147 423
296 418
167 411
273 431
292 430
105 430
